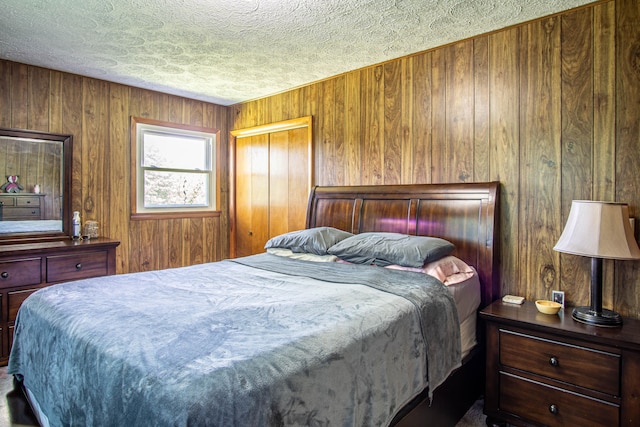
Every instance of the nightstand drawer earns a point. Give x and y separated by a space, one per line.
74 267
22 272
552 406
581 366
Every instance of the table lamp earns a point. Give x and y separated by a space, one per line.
600 230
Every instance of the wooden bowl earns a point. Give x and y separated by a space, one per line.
548 307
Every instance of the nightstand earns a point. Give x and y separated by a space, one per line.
551 370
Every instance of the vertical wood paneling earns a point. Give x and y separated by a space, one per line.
577 136
5 93
406 121
457 156
504 113
627 296
353 129
55 102
373 125
115 217
392 129
421 167
38 99
540 111
481 146
325 145
339 128
19 96
439 163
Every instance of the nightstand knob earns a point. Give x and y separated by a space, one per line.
553 409
78 266
553 361
4 275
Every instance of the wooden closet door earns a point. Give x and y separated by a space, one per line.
272 175
252 194
288 183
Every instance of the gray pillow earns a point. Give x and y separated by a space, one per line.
311 241
391 248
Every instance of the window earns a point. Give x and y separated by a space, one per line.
174 169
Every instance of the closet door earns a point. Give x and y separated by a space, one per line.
252 194
271 179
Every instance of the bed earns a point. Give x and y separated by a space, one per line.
271 340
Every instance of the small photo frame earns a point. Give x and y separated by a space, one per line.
558 296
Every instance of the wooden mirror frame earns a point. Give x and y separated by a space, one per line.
67 143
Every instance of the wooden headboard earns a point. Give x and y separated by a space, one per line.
464 214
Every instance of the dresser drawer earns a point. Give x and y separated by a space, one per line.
74 267
581 366
28 201
21 213
7 201
552 406
23 272
15 300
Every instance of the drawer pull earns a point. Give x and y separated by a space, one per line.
553 361
4 275
553 409
78 266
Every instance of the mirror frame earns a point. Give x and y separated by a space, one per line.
67 158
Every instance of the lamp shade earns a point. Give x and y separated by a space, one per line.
598 230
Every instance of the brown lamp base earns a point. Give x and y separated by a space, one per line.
603 318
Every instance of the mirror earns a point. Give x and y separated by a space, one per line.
35 185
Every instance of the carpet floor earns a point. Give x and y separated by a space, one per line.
15 410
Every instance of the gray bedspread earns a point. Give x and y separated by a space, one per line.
258 341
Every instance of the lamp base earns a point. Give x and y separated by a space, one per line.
604 318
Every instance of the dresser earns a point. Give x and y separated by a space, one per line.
21 206
27 267
551 370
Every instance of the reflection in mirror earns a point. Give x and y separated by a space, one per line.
33 200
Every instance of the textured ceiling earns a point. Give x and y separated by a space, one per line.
227 51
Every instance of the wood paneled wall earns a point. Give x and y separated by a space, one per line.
97 114
549 108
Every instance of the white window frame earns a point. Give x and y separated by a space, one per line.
140 126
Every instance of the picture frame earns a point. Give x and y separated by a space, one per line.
558 296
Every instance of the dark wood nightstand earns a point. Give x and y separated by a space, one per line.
551 370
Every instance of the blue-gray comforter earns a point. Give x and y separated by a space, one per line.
258 341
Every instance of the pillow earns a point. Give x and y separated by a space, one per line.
449 270
313 240
391 248
287 253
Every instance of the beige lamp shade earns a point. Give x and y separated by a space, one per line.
599 230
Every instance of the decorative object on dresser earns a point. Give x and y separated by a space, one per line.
551 370
27 267
598 230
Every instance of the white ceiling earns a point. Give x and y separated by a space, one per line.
227 51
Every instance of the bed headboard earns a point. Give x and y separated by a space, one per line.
464 214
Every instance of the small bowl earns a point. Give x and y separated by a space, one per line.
548 307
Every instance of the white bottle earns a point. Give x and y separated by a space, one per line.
75 225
